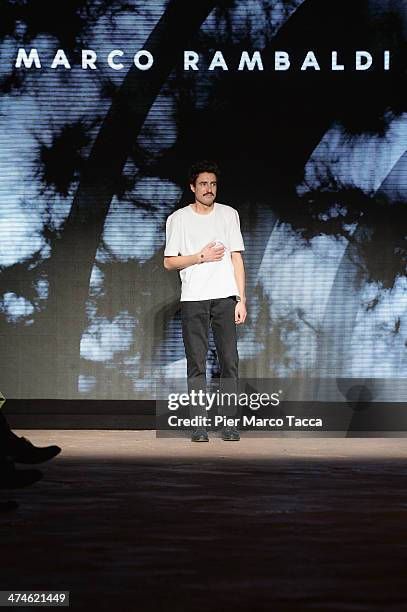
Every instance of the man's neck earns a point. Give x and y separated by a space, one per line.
201 209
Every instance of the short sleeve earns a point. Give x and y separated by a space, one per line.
235 235
173 236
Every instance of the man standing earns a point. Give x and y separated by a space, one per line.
204 242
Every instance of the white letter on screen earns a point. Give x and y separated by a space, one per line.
27 60
191 59
144 66
310 62
281 60
111 56
218 61
89 58
250 63
60 59
335 65
363 55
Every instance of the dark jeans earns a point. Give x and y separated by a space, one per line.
196 318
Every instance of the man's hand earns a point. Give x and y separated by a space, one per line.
240 313
210 252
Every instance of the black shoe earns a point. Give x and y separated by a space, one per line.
230 434
22 450
10 478
200 435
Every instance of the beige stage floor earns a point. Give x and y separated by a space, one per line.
126 521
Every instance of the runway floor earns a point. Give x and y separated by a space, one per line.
126 521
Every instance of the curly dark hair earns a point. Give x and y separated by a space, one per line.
202 166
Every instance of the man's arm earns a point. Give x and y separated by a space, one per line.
179 262
238 266
210 252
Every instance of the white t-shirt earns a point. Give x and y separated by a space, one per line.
187 232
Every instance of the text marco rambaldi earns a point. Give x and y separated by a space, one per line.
279 61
